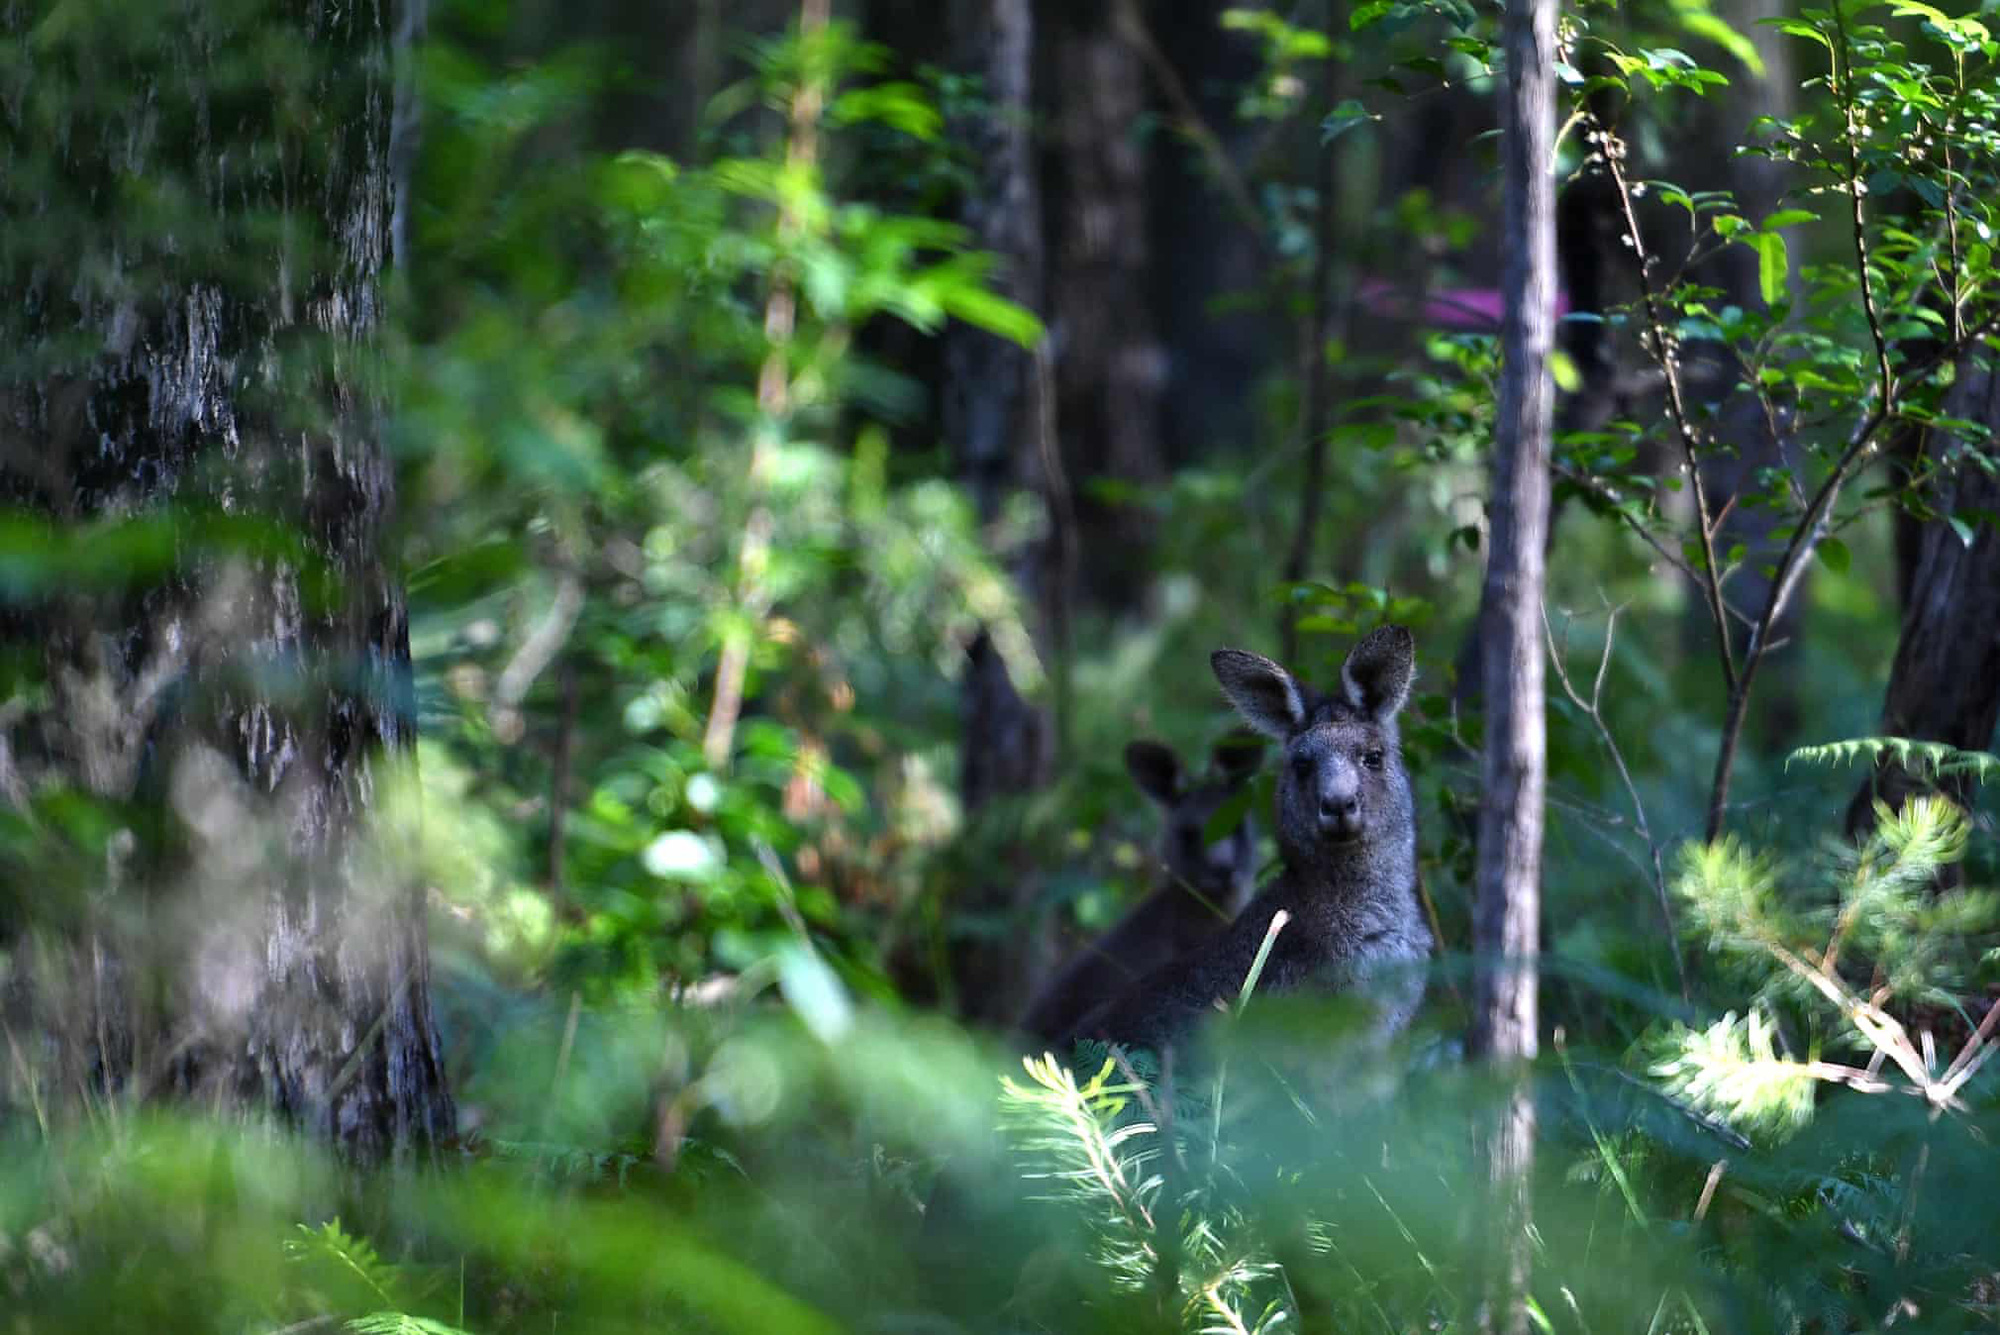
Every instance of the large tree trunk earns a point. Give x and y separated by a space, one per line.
1945 685
192 294
1506 923
1110 366
998 417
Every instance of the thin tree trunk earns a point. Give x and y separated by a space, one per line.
774 405
1945 685
240 681
1508 908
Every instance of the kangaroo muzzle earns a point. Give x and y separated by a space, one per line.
1340 809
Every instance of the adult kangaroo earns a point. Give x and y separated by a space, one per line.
1202 884
1346 823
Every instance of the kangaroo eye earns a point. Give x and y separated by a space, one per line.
1302 764
1373 760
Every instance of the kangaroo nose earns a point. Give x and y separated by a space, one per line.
1338 809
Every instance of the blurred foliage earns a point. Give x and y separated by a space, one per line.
683 996
577 440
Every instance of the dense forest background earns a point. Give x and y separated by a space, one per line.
576 582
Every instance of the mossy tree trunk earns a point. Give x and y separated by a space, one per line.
207 646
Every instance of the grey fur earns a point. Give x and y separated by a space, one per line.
1201 885
1346 822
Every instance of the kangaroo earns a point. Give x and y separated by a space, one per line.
1201 885
1346 822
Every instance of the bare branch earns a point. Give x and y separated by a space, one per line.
1593 710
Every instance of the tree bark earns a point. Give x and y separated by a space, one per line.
997 415
1945 684
1507 913
1003 946
1110 366
195 288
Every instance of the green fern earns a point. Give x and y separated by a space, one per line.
352 1258
1067 1135
1888 924
1732 1069
1731 896
1934 760
1105 1165
401 1323
359 1279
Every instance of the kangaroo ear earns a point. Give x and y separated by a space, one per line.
1269 698
1238 755
1376 676
1156 770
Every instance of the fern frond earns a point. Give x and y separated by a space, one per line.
1067 1134
400 1323
1929 831
1081 1140
1733 1069
1731 896
354 1257
1931 759
1891 889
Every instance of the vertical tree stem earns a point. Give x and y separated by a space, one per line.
1317 408
1508 910
773 402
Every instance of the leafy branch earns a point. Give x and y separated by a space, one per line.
1733 1066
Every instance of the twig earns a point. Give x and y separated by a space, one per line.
560 765
1791 567
1673 558
1192 123
542 644
1811 527
1593 710
566 1046
1876 1025
1317 407
1111 1177
1708 1187
1970 1055
1612 151
1166 1252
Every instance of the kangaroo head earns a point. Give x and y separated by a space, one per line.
1222 869
1341 783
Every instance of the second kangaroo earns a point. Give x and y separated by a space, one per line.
1346 825
1204 883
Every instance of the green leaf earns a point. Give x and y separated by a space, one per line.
1704 24
1342 119
993 313
901 106
1372 12
1797 28
1563 367
1772 267
1789 218
1833 554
